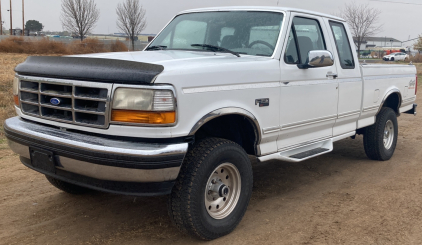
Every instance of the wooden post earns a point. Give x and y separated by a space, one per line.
11 28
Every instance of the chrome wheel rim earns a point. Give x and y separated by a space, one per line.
222 191
388 134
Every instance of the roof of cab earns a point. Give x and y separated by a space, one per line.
262 8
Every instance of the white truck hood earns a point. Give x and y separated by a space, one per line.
177 59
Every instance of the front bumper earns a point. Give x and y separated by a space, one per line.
110 165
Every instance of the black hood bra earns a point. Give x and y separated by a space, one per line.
90 69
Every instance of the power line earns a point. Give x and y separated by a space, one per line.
410 40
395 2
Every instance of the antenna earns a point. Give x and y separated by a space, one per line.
277 2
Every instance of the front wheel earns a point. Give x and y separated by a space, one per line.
213 189
380 139
392 59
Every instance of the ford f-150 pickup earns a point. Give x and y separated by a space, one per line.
181 117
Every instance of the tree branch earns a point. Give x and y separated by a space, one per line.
131 19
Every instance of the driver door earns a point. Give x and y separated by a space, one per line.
308 97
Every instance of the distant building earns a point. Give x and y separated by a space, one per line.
380 42
18 32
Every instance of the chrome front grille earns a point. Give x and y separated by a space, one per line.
75 102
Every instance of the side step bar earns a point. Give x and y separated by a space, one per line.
301 154
310 153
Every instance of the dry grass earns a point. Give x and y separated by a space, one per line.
118 46
87 46
47 46
7 65
416 58
43 46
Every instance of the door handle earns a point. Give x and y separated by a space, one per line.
332 75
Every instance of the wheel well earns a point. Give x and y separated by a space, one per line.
236 128
393 102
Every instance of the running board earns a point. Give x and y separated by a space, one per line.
302 153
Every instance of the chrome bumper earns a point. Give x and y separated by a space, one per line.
95 157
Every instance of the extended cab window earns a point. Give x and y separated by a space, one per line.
244 32
343 45
305 35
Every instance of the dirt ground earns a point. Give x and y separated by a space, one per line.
338 198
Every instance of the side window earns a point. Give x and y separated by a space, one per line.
343 45
194 30
306 35
291 56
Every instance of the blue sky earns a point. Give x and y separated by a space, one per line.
400 20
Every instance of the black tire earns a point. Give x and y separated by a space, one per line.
186 204
373 138
67 187
392 58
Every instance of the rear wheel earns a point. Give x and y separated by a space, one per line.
380 139
213 189
67 187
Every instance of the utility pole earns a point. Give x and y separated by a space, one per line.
1 22
23 18
11 28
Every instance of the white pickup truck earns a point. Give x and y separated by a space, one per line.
214 86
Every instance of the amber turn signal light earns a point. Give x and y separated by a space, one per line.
16 99
147 117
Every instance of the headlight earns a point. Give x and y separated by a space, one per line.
143 106
16 91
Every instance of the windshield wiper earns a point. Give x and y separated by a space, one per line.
216 48
157 47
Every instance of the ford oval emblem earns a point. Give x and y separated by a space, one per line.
55 101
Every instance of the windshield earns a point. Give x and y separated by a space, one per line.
243 32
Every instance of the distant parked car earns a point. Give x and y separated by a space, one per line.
396 57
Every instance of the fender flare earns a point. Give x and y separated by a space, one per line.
229 111
390 92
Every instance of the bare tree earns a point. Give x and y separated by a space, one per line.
79 16
363 21
418 44
131 19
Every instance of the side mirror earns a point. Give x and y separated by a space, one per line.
318 58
